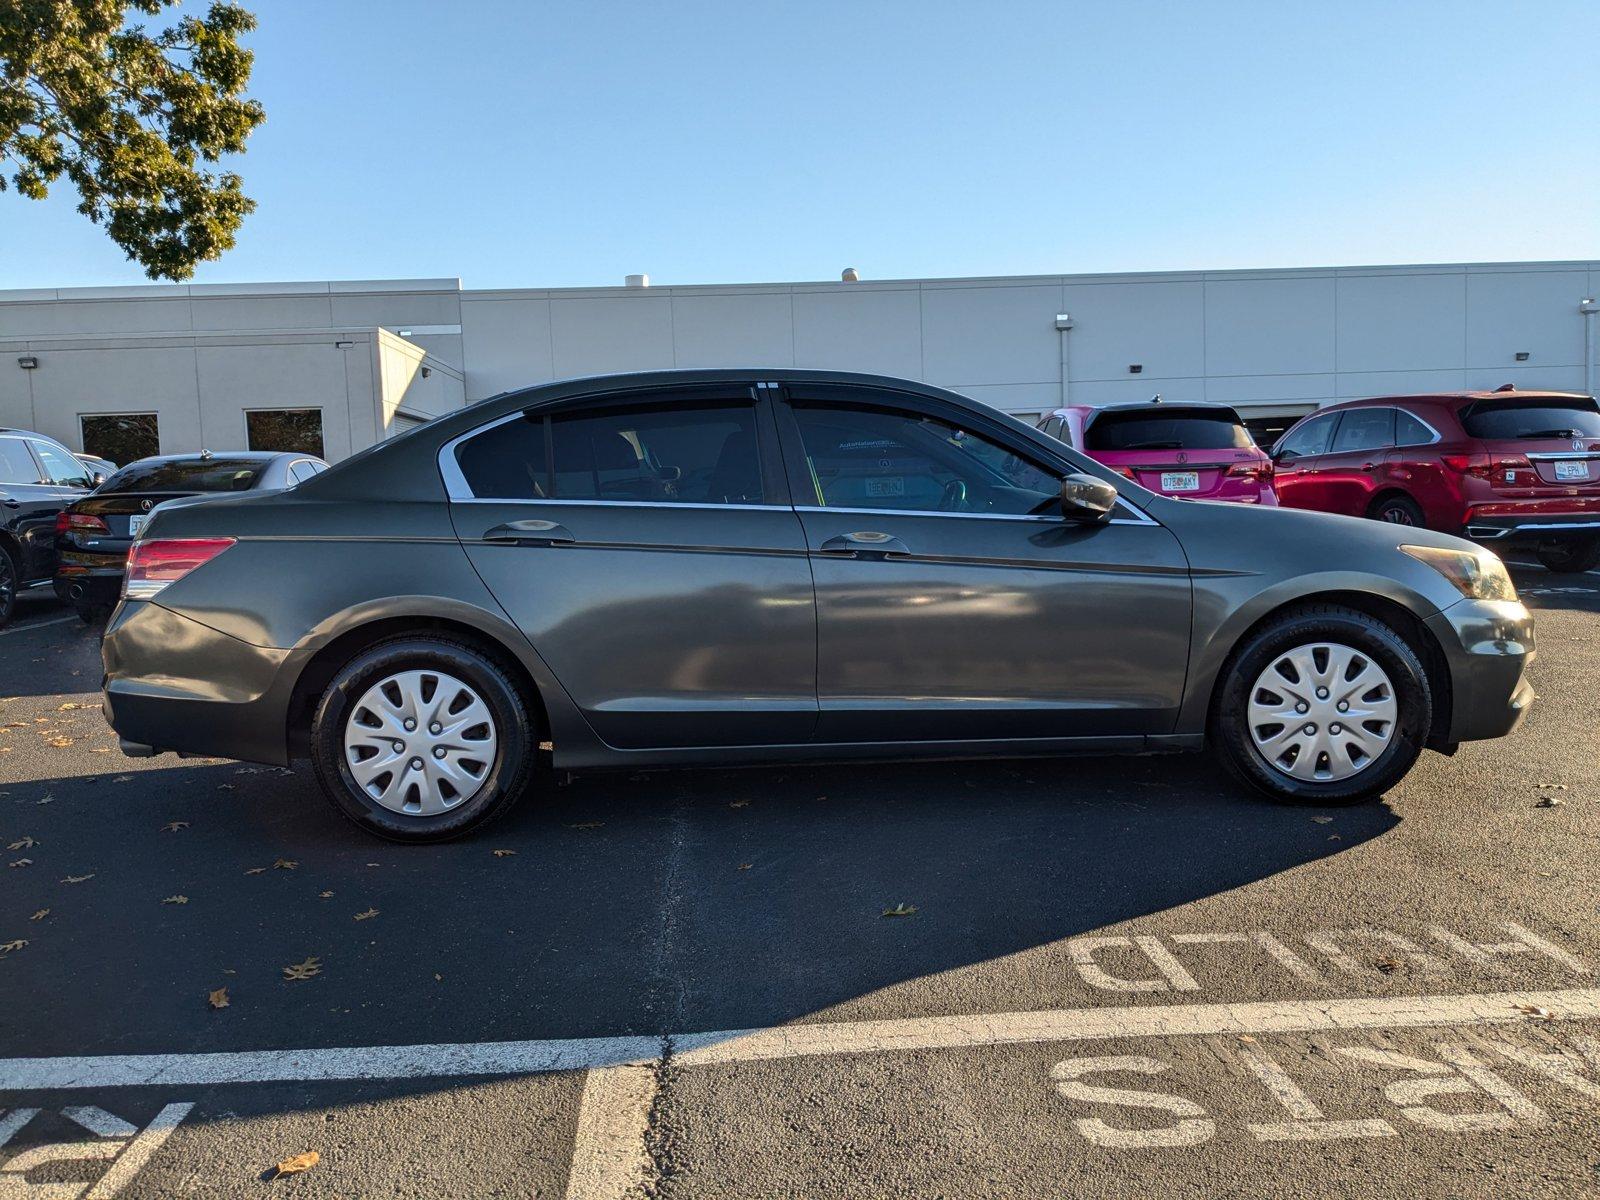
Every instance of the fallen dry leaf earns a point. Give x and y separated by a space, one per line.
285 864
900 910
1559 787
738 804
224 787
47 799
504 853
1389 965
1247 1039
174 826
368 915
1322 820
78 878
300 1162
70 705
16 944
58 742
325 895
1550 802
303 970
22 843
21 862
40 915
1533 1010
176 900
218 998
256 871
123 779
745 866
101 750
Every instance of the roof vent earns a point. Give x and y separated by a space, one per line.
849 275
636 281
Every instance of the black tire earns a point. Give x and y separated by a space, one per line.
90 614
515 730
1570 558
10 581
1397 510
1313 623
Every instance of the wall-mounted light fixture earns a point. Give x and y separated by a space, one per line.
426 372
1522 356
27 362
1135 368
343 345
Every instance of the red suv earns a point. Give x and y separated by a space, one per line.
1506 467
1189 449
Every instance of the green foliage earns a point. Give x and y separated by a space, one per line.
135 119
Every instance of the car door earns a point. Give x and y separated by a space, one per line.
1356 465
28 508
1297 462
645 545
953 601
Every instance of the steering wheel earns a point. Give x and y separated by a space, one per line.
954 497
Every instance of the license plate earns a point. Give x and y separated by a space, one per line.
1572 470
135 524
886 486
1180 481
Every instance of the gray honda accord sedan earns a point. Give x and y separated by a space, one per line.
698 567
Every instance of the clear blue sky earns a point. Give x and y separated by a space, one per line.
562 143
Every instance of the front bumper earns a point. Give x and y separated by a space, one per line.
173 683
1487 645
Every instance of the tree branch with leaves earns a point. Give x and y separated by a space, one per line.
138 121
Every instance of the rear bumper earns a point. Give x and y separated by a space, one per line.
172 683
1533 521
1488 645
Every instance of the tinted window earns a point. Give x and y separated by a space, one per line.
16 464
508 461
300 471
1408 431
121 437
1524 420
61 467
289 430
1365 429
1310 438
1168 429
187 475
868 458
673 455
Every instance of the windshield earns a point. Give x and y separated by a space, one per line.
1527 420
1190 429
187 475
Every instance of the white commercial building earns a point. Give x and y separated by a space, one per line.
349 363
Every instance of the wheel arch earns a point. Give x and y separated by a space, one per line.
1410 628
1392 492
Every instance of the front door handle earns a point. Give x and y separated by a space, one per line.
10 503
530 533
865 543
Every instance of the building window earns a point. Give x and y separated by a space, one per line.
293 430
121 437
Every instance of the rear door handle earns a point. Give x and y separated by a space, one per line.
530 533
865 543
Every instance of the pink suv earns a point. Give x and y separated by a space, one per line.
1191 450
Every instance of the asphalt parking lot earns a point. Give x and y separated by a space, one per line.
1112 977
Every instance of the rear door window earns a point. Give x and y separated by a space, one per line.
1531 420
1365 429
16 464
1171 429
671 455
1309 439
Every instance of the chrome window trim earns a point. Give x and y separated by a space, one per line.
559 503
1137 518
1428 425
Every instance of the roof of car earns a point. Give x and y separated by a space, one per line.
1446 397
1147 406
254 456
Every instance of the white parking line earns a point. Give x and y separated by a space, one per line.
609 1158
36 625
795 1041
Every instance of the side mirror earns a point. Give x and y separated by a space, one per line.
1087 500
96 479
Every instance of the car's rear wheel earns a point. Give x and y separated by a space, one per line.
422 739
8 585
1397 510
1570 558
1324 705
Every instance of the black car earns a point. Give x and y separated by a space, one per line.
93 535
38 478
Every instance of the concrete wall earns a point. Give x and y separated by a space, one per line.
1264 338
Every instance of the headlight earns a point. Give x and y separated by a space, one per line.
1477 574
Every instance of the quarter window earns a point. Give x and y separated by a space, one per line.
877 459
1365 429
1409 431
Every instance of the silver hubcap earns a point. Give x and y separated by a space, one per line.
420 742
1322 712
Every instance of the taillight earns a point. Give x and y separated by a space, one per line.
1259 471
1478 466
81 522
152 565
1126 473
1506 467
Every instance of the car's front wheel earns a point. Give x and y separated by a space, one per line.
9 582
1323 705
422 739
1570 558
